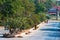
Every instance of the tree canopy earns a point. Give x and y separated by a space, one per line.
22 14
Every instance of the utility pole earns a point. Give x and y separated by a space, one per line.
57 11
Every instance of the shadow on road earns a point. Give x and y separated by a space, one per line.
50 29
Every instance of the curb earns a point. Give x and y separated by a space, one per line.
29 31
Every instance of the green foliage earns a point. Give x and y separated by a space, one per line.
21 13
48 4
40 7
35 18
42 16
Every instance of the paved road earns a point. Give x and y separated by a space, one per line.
50 31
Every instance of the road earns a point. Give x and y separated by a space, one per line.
49 31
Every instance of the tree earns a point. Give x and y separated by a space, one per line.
48 4
21 14
40 7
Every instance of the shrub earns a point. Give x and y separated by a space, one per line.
42 16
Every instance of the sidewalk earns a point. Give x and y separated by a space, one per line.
24 32
30 31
